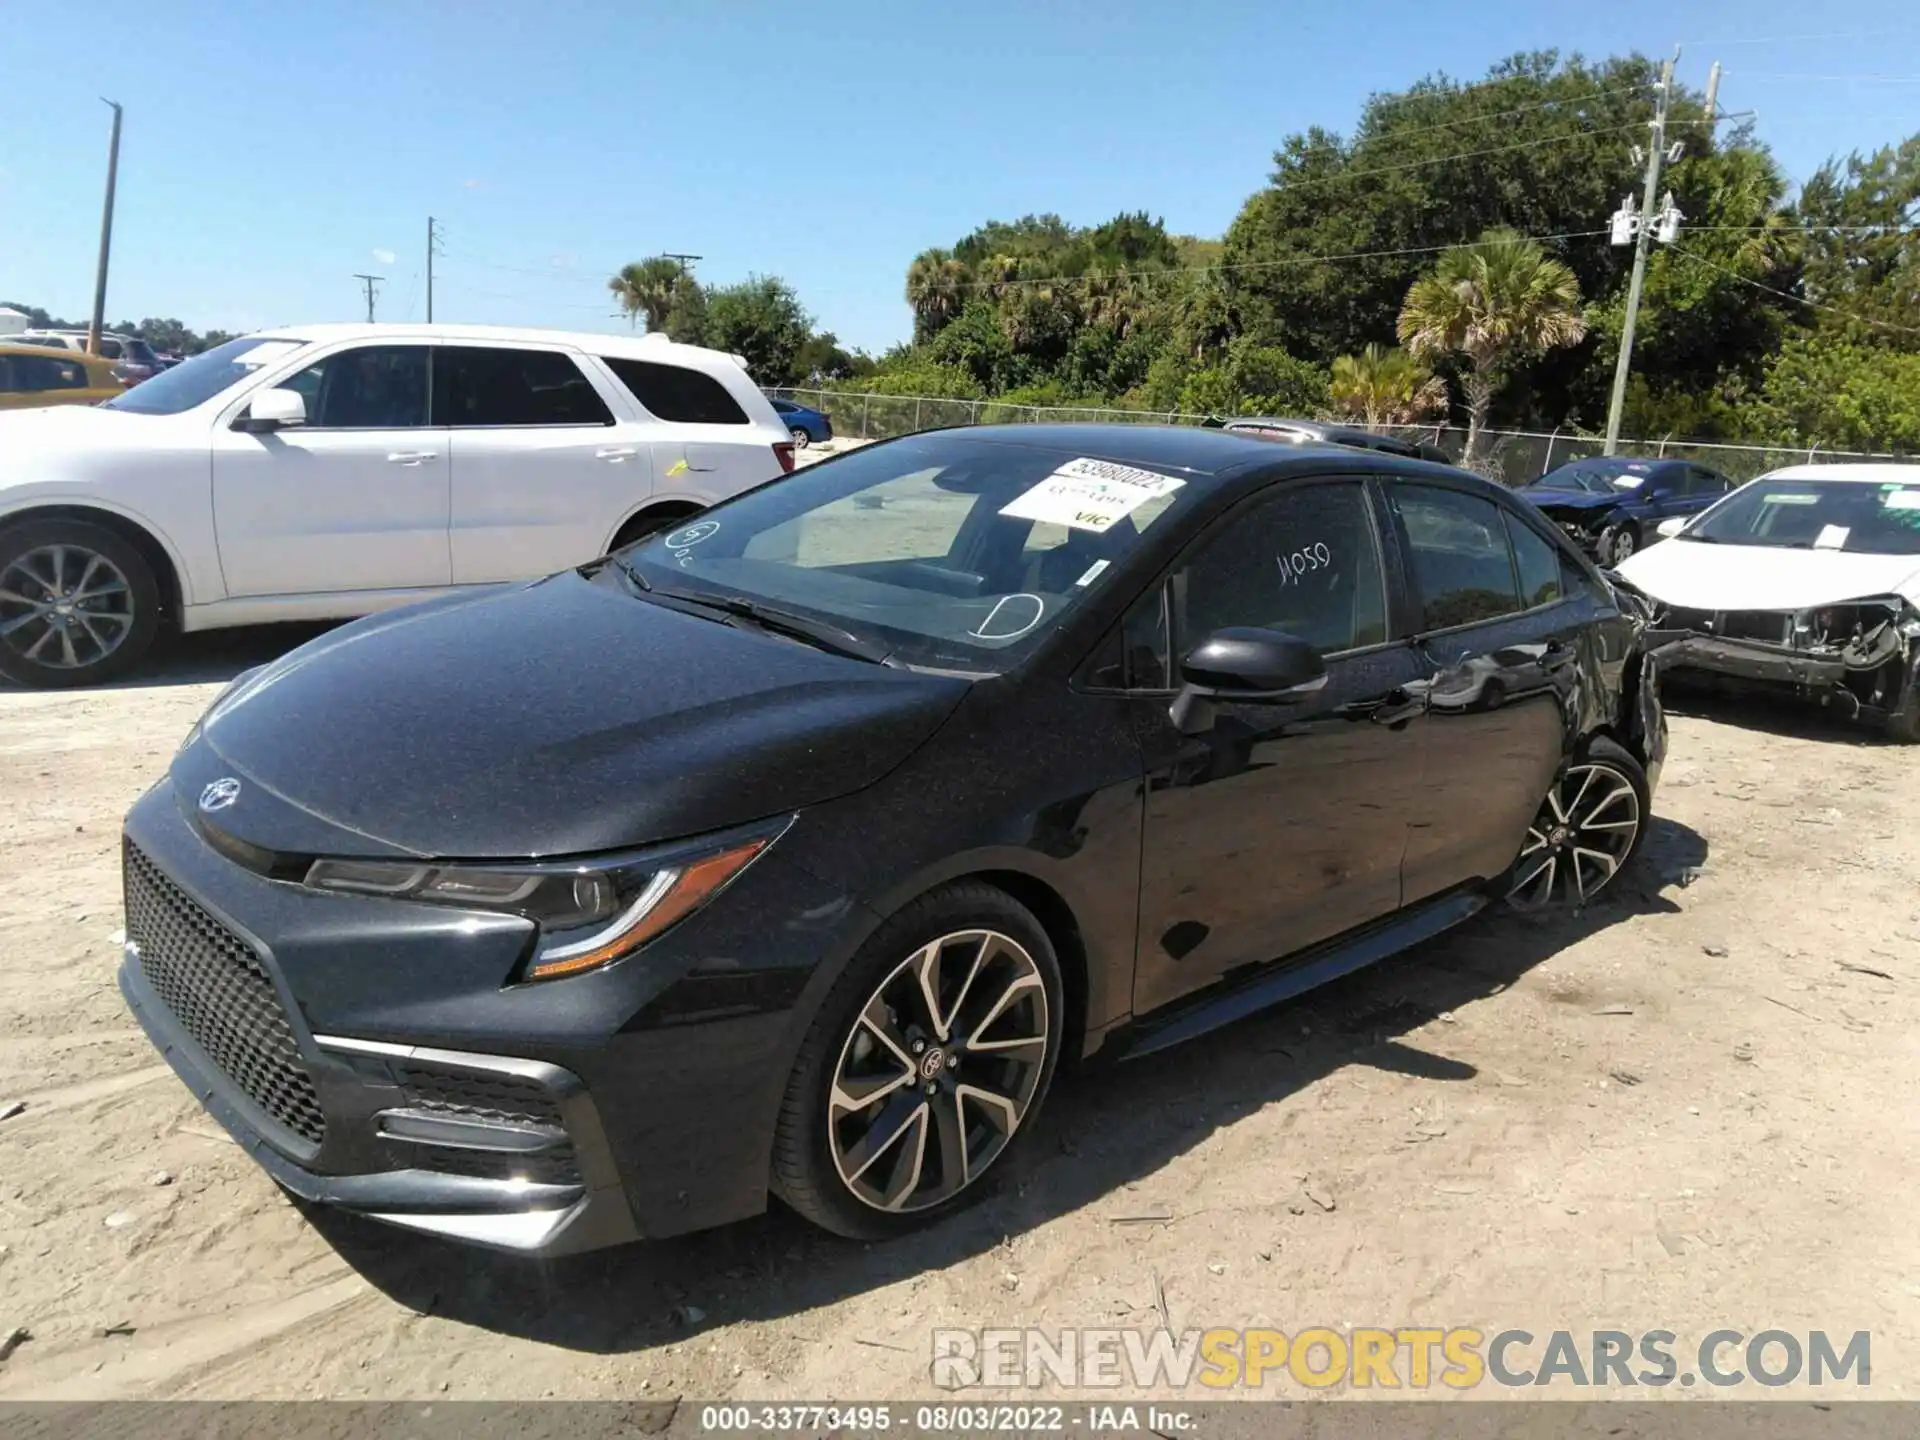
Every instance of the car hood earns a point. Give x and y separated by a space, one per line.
1698 576
1550 499
25 434
556 718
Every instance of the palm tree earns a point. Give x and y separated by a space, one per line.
936 289
647 287
1497 302
1380 386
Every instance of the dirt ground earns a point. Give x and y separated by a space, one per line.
1692 1107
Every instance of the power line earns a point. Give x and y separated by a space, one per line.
1797 299
1398 134
1475 154
1235 266
1808 75
1802 39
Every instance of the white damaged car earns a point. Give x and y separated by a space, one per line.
1806 579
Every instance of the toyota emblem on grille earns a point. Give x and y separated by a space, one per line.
220 795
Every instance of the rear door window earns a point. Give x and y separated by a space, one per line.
480 387
673 392
1462 565
1537 562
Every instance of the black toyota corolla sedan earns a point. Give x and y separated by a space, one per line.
791 851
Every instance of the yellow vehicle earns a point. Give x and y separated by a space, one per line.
34 375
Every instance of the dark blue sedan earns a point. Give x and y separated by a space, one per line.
1611 505
807 426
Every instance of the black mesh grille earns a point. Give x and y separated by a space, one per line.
505 1098
546 1167
215 986
502 1099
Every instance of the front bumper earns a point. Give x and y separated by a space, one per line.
503 1212
373 1054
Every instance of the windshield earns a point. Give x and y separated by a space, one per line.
1598 476
196 381
1847 515
941 551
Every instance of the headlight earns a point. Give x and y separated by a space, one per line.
590 913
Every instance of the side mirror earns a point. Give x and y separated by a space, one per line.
1247 666
274 410
1671 526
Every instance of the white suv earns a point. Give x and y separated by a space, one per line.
328 471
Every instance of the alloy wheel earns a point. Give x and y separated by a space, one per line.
64 606
1623 545
801 438
940 1068
1576 845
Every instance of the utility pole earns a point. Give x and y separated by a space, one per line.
106 235
684 260
433 249
1639 226
369 281
1713 97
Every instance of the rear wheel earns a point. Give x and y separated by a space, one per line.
78 604
926 1063
1589 829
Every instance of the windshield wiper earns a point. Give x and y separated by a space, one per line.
625 567
775 621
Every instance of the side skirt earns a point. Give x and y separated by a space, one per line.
1312 968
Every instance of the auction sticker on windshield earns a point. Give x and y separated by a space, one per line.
1088 494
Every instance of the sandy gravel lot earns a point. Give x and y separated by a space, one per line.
1691 1108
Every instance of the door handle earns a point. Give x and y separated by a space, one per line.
410 457
616 453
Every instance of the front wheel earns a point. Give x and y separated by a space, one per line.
1617 544
928 1060
1589 829
78 604
801 439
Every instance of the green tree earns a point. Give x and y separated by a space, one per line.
762 320
1863 260
1380 386
1824 389
647 287
937 289
1495 303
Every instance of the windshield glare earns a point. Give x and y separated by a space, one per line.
196 381
1596 476
1846 515
946 551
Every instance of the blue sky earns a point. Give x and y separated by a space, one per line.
273 150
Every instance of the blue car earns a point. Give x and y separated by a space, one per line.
1611 505
808 427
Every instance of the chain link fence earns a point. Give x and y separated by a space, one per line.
1511 456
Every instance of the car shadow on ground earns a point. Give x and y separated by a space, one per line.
1772 714
1104 1128
207 657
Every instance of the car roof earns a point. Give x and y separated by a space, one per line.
628 347
1860 472
1204 453
12 347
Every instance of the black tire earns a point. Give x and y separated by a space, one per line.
652 522
1903 725
805 1171
107 631
1618 543
801 439
1554 871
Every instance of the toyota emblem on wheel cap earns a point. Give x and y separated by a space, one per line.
220 795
